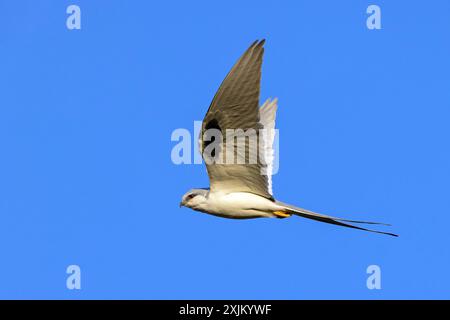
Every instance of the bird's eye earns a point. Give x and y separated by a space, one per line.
189 197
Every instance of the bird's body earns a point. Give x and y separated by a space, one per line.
239 174
237 205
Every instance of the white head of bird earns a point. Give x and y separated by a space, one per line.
194 199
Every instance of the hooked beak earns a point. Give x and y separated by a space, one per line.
181 204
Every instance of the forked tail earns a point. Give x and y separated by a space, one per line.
333 220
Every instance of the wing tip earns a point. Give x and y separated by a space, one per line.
258 43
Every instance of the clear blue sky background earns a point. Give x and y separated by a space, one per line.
86 176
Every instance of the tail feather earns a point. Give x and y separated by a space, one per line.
332 220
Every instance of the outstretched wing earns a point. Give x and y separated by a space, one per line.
236 106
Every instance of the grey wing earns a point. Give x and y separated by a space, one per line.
236 106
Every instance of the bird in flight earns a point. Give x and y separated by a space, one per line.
243 190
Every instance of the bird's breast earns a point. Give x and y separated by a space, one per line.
240 205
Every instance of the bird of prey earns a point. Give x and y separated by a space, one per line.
244 190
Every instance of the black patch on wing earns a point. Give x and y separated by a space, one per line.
212 124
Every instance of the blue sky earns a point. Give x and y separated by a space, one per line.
86 176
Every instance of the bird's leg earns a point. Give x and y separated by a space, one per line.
281 214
